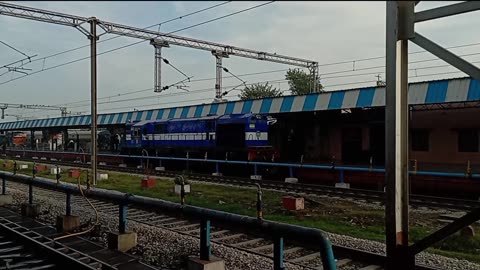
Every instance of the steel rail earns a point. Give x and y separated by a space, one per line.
355 254
299 188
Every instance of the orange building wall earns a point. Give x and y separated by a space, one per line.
335 140
443 148
444 137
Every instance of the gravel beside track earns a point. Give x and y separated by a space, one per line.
169 250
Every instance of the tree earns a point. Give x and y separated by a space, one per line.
259 91
300 82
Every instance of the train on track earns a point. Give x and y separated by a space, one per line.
252 137
235 136
73 140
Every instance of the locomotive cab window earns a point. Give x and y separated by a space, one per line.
145 131
135 132
159 128
468 140
209 125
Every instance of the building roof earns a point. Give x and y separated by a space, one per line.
429 92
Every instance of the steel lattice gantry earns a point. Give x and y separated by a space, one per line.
160 40
157 39
4 106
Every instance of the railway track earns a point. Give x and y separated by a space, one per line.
15 255
297 188
29 244
294 253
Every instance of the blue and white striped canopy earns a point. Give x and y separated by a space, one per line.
431 92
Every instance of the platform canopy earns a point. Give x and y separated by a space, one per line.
421 93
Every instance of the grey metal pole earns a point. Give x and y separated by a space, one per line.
313 69
93 81
158 69
218 77
396 133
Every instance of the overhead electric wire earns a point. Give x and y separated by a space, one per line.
382 57
282 81
458 46
370 73
125 93
191 13
281 70
410 62
141 41
81 47
131 44
19 61
242 75
221 17
323 78
179 82
171 94
8 71
77 48
155 104
234 87
235 76
328 77
272 81
13 48
412 76
170 64
330 63
153 25
244 83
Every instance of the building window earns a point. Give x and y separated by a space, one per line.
468 140
420 140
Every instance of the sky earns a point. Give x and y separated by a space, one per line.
327 32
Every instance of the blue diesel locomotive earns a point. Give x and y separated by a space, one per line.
234 136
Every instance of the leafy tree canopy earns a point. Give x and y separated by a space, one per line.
300 82
259 91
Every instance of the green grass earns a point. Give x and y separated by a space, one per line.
331 215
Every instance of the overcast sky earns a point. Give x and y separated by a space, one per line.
327 32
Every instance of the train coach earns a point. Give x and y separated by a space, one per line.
234 136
